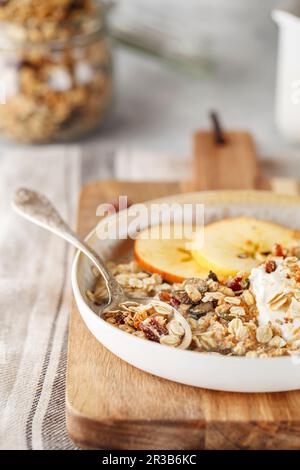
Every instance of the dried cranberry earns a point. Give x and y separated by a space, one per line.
149 333
161 329
151 325
270 266
174 302
235 283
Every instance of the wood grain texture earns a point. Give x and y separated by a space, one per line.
232 165
111 404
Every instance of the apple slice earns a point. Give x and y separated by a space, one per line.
239 244
171 257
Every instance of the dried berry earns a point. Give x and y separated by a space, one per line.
235 283
181 297
161 329
149 333
213 276
174 302
270 266
120 318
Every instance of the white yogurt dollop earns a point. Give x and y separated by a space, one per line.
277 299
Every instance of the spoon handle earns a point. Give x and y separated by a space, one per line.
36 208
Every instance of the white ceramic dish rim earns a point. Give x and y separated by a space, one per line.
176 353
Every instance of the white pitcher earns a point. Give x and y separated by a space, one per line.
288 70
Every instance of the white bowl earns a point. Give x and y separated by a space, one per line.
213 371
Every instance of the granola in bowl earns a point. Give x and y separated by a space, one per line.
229 317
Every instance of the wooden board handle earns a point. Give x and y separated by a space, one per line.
231 165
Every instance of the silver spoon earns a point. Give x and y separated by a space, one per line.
36 208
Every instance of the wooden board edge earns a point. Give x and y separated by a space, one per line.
87 433
163 435
253 435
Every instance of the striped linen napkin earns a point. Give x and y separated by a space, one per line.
35 301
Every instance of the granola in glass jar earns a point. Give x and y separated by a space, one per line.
56 71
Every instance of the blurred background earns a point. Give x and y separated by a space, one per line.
173 62
226 60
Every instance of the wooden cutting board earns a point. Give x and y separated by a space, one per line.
112 405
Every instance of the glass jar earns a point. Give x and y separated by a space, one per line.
55 70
